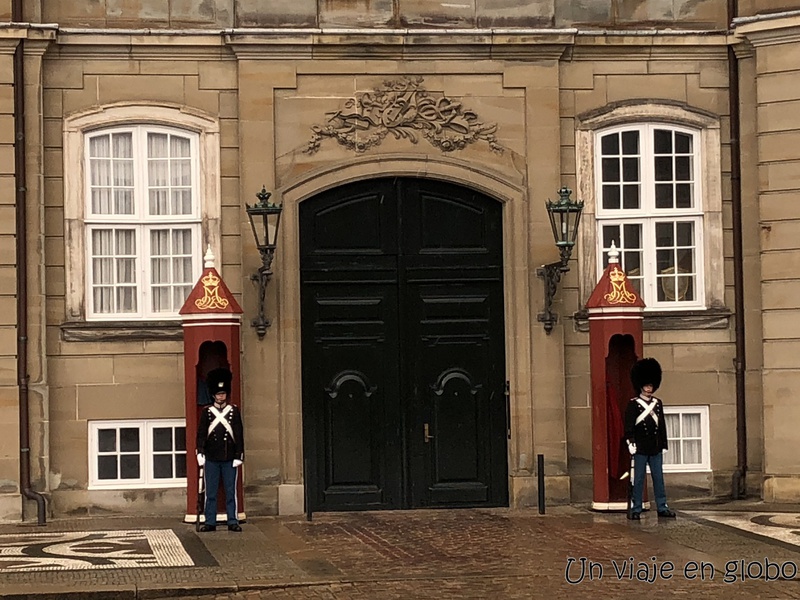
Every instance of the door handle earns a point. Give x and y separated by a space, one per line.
427 433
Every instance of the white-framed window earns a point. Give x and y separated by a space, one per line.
141 202
649 205
650 176
142 221
688 439
137 454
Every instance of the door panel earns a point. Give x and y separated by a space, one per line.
402 332
350 385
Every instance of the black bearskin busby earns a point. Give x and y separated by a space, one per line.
646 371
219 380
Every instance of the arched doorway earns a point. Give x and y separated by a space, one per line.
402 346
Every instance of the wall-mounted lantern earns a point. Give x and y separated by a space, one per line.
565 215
265 219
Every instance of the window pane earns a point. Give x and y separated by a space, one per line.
159 202
630 142
126 300
673 423
100 172
162 439
630 169
103 299
162 466
180 465
180 438
663 165
129 439
122 145
665 235
609 144
662 140
630 196
100 146
683 196
103 270
123 202
611 197
665 260
180 147
182 202
157 145
107 467
129 466
181 172
611 234
683 143
683 168
691 425
673 455
664 195
610 169
107 440
685 232
692 452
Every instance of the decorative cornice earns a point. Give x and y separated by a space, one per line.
771 32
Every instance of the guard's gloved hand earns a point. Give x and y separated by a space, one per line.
236 463
632 447
664 451
201 459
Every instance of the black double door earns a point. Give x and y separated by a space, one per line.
403 351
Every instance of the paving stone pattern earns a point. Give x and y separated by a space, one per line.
434 554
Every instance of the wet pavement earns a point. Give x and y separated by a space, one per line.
733 550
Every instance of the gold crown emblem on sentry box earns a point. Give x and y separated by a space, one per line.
616 275
210 280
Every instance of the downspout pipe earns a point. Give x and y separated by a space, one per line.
22 276
738 483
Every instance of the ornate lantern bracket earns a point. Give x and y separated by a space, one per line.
565 216
265 220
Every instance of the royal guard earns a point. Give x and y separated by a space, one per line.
220 448
646 434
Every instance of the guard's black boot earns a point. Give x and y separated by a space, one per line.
635 517
208 528
234 527
667 514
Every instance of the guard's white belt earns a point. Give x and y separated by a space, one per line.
220 418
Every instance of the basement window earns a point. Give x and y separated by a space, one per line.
688 439
137 454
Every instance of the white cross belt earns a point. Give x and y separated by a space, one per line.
648 410
219 419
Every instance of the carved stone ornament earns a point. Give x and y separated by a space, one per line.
406 110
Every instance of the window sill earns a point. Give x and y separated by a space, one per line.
709 318
120 331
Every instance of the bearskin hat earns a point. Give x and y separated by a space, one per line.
646 371
219 380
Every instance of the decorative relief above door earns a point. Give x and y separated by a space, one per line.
405 109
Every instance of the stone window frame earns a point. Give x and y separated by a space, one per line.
76 126
588 127
145 454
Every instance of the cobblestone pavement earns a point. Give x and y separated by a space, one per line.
567 553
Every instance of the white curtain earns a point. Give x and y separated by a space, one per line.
114 270
692 443
111 174
169 174
171 268
673 455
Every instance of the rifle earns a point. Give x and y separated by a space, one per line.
201 496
